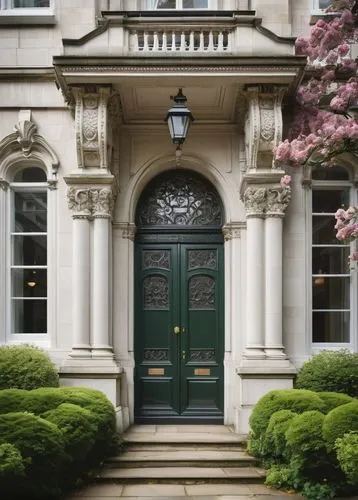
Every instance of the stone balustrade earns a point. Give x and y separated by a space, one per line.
179 40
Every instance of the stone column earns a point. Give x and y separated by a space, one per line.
277 202
102 199
255 199
79 202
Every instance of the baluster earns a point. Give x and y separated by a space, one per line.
201 42
182 42
134 42
191 41
174 48
155 42
145 42
164 41
210 47
229 39
220 46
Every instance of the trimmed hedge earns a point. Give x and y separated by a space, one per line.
41 445
12 469
290 399
42 400
340 421
26 367
347 454
332 371
333 400
299 447
276 429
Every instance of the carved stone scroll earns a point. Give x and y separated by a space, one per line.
263 127
91 119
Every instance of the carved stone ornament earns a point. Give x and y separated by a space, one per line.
267 201
4 184
79 201
26 143
102 202
255 201
91 118
263 127
233 230
90 202
278 200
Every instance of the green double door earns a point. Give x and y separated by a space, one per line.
179 331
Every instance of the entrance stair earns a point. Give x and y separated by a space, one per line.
182 454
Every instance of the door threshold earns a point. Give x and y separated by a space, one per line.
179 420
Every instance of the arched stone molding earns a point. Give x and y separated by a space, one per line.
188 162
26 147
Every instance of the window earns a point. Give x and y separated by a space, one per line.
27 12
321 4
24 4
28 253
332 288
179 4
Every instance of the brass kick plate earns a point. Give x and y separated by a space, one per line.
155 371
202 371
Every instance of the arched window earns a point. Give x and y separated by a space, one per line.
28 252
333 286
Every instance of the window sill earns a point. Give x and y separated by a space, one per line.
27 16
321 14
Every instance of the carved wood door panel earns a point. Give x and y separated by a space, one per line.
179 336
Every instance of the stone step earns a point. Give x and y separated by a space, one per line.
182 475
184 438
182 458
239 447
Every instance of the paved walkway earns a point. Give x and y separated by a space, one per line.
181 492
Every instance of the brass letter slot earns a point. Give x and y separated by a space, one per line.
202 371
155 371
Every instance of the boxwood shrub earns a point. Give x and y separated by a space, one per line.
12 468
295 400
26 367
306 448
347 454
333 371
340 421
41 445
276 433
333 399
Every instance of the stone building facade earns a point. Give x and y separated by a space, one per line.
182 284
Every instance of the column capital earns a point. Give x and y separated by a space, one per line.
278 199
232 230
79 202
89 202
4 184
255 201
102 202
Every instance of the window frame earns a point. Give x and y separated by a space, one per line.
353 283
47 339
30 15
212 5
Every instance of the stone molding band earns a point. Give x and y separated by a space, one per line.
264 202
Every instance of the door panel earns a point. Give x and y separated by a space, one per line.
179 375
201 311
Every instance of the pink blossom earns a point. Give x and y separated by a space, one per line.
285 180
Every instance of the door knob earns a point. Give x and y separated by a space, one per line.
183 355
177 329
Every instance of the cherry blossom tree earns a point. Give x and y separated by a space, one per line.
325 127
